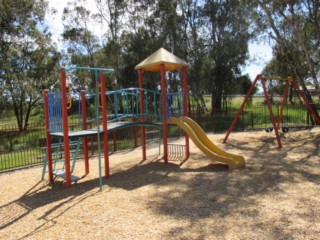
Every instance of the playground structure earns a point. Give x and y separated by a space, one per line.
144 107
276 123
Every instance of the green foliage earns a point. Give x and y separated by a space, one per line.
227 45
212 36
243 84
83 46
294 28
27 56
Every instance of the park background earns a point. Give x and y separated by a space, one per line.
216 38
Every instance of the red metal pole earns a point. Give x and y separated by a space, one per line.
271 113
241 108
285 92
185 104
63 88
84 122
143 129
311 110
48 139
164 113
105 124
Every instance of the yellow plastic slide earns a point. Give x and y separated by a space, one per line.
201 140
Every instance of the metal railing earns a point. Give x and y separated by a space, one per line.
20 149
25 148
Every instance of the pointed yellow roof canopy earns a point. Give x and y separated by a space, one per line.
162 56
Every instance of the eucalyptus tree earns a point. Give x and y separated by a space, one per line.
167 23
82 44
227 27
28 57
31 67
283 65
293 26
112 13
193 44
152 24
137 41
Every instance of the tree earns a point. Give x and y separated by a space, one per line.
112 12
82 44
27 56
16 19
193 44
227 44
154 24
294 28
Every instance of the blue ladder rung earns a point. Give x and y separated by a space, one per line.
61 160
62 152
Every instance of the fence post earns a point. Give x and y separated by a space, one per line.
252 123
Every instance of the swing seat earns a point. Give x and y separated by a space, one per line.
268 129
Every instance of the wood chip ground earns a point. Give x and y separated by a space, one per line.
277 195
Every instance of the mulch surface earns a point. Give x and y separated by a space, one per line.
277 195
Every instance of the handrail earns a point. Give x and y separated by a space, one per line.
104 70
69 96
126 103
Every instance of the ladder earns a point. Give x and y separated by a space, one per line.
153 141
58 160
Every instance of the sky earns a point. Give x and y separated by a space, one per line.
260 53
55 22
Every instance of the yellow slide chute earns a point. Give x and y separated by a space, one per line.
201 140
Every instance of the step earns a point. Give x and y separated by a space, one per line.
62 152
61 160
62 174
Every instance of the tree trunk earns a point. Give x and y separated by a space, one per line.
305 51
216 101
28 112
308 95
290 94
17 115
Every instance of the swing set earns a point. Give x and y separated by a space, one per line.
275 122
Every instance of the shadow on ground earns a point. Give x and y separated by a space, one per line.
207 192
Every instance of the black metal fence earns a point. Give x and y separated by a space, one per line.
257 117
25 148
19 149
